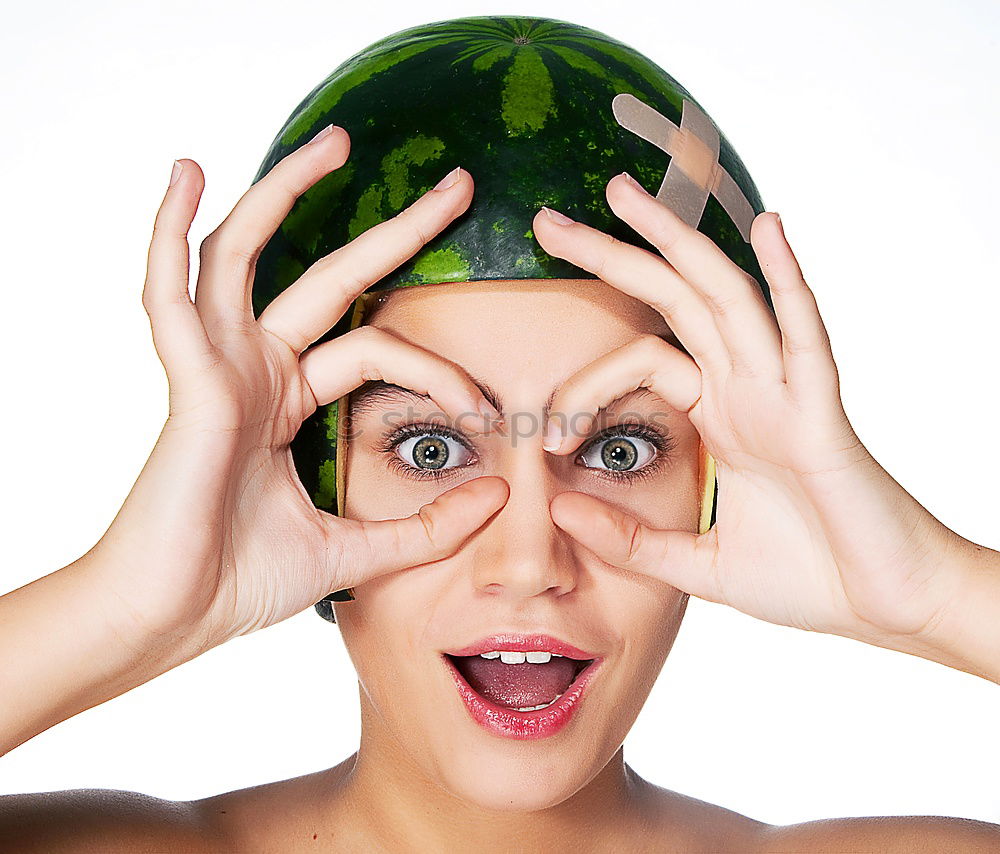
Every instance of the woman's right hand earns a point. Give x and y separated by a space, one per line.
218 537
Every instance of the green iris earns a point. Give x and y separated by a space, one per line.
430 452
619 454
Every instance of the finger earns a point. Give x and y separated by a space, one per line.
646 362
733 296
179 337
228 254
680 558
340 365
367 549
643 275
808 357
305 311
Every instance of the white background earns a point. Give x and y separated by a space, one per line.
872 129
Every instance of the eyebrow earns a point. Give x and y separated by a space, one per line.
370 395
373 393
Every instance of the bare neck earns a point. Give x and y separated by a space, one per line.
395 804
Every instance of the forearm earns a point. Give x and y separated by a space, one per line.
66 645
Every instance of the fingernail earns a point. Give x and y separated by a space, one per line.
557 217
176 172
449 180
778 215
325 132
635 183
553 436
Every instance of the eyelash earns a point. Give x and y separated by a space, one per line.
664 444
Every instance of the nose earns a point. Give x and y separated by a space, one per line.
521 552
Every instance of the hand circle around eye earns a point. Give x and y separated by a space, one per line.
805 534
240 388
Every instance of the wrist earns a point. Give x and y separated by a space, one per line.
965 632
69 645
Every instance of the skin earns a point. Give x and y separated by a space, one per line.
525 535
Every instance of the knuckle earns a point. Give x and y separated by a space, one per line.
635 539
742 369
336 548
411 234
722 302
800 346
667 304
611 246
427 515
649 346
752 282
613 243
350 285
162 232
418 234
368 370
246 256
756 291
367 337
665 238
207 244
220 244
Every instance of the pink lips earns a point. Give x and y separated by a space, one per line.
510 723
522 643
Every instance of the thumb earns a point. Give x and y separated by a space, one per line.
680 558
437 530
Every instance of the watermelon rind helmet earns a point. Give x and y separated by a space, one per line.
539 112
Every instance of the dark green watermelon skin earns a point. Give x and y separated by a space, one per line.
524 105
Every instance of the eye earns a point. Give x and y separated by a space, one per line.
621 451
431 451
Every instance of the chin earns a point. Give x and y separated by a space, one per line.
523 779
489 755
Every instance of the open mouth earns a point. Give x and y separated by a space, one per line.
521 694
522 681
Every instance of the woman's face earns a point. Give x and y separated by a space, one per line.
519 573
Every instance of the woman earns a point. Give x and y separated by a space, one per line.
531 550
459 534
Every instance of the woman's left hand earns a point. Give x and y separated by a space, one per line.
811 531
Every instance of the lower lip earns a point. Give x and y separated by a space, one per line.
511 723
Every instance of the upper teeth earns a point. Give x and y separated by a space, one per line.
509 657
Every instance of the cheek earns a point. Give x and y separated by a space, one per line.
373 490
650 613
646 611
379 631
389 620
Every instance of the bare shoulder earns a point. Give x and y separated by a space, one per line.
694 825
101 820
277 816
882 834
105 821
